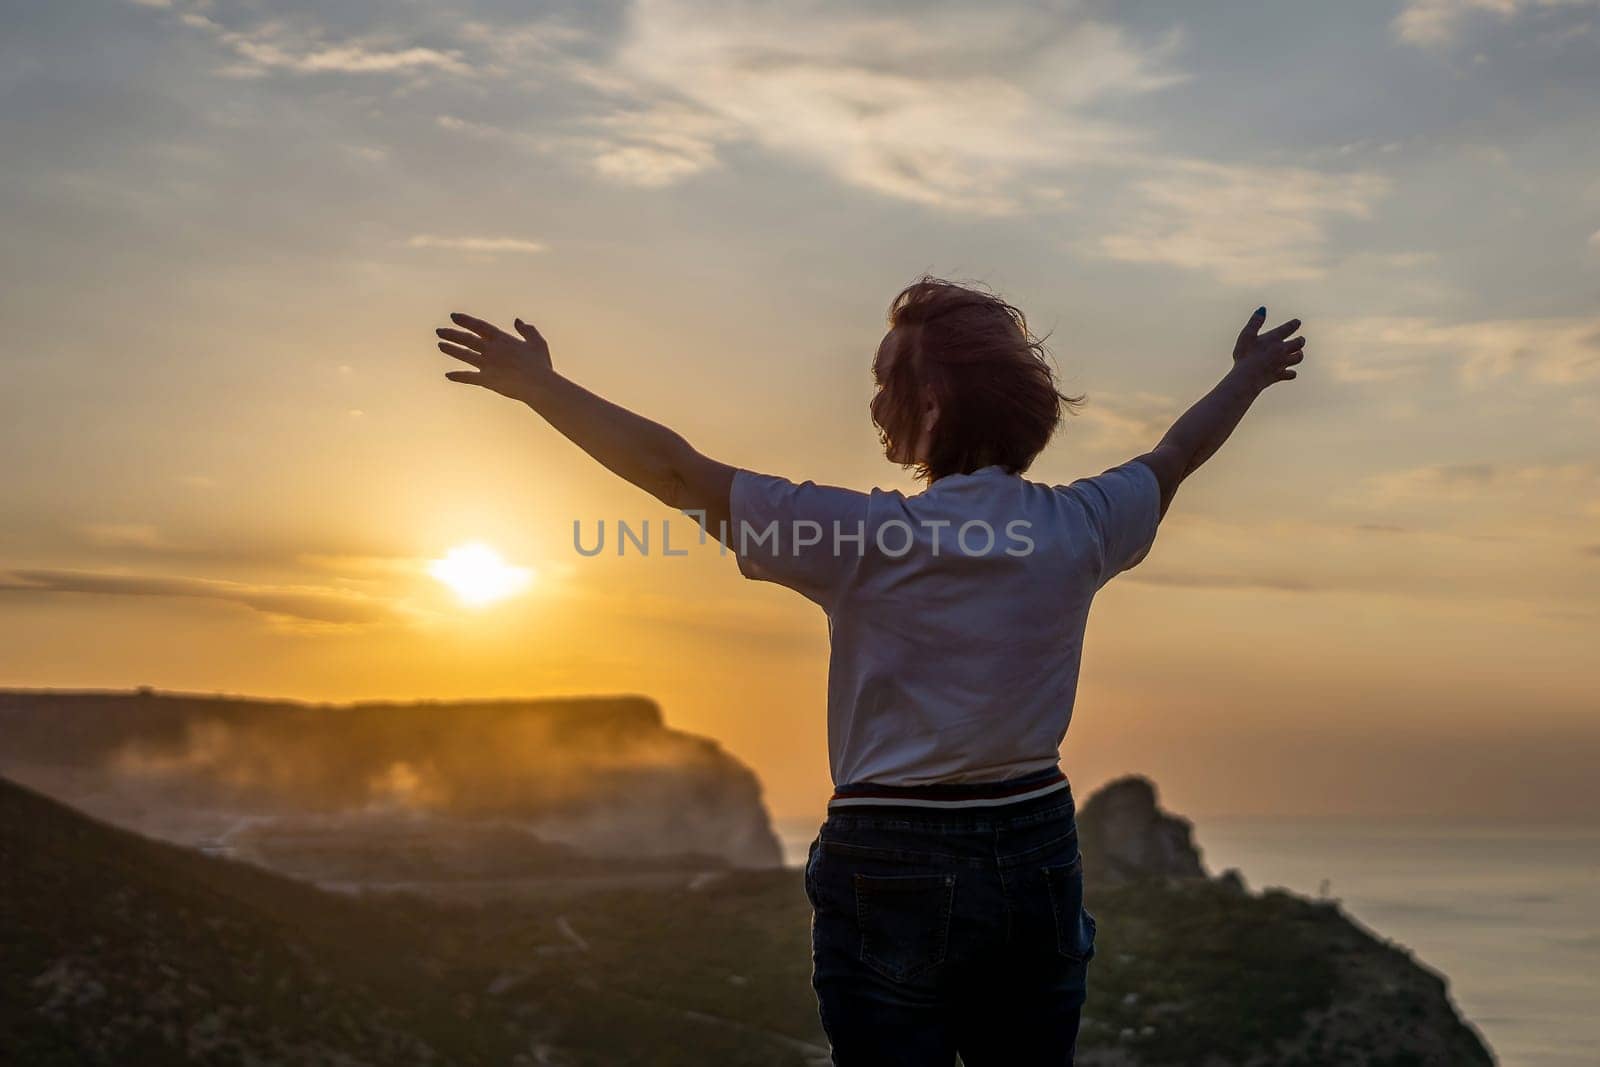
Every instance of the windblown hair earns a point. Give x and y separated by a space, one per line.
992 379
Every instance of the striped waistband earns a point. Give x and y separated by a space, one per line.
949 795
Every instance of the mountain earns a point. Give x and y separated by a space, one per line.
377 794
124 950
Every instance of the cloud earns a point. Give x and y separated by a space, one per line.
1131 420
456 124
1548 351
1440 481
490 245
1510 528
1246 582
987 112
124 535
1439 22
284 602
1243 224
277 47
1449 482
951 109
657 146
344 59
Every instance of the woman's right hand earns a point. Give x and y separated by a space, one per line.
1268 357
515 367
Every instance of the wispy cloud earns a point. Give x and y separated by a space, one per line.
124 535
488 245
1439 22
1567 483
1238 582
1550 351
277 47
1243 224
1514 567
1445 480
656 146
986 112
312 604
1127 420
952 109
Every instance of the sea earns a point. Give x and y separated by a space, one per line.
1509 913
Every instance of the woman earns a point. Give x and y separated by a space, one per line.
946 883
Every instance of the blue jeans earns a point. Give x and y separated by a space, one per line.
938 931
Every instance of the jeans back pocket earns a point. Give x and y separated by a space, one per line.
1075 927
904 921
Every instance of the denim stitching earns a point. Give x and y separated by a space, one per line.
941 929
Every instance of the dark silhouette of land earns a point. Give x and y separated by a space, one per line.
119 949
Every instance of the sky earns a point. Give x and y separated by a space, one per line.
228 456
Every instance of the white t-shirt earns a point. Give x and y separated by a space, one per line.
956 615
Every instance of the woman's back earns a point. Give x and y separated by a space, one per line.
956 615
946 884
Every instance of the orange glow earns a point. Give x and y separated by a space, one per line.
478 575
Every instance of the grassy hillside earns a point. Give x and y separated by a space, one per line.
122 950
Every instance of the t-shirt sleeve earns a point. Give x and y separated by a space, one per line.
804 536
1123 509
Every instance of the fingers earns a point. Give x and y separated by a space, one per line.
528 332
465 377
1292 358
483 329
462 337
1278 333
465 355
1252 326
1294 344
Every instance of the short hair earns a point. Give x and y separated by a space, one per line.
992 379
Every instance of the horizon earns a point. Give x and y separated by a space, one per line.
235 466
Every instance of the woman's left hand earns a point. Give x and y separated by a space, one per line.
511 366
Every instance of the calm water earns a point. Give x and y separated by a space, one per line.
1511 914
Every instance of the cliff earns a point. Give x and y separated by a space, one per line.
1125 836
1305 983
370 794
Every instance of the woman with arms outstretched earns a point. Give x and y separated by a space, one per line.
946 883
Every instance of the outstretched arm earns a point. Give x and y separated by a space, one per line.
645 453
1259 360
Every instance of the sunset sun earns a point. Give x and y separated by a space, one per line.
478 575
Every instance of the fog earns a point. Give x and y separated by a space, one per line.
393 792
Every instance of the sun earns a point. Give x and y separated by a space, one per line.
478 575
